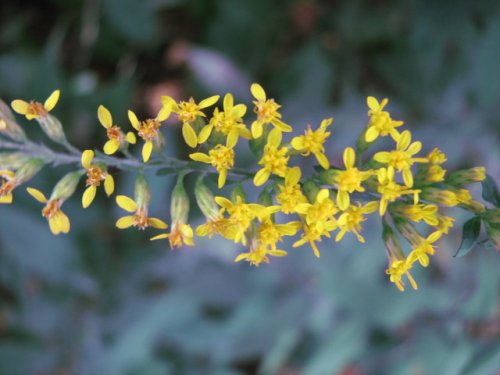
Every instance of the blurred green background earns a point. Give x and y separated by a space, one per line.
104 301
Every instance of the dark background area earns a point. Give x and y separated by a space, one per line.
105 301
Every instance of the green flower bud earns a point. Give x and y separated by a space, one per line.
311 189
179 204
28 170
467 176
8 124
407 230
52 128
439 196
205 199
66 186
13 160
238 191
392 244
265 198
142 195
328 177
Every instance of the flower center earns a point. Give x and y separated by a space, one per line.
114 132
350 180
94 176
36 109
149 129
266 110
51 208
275 160
222 157
188 111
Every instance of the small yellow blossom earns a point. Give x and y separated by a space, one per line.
228 122
180 234
95 175
258 253
220 157
149 130
422 248
187 112
436 157
417 212
313 234
274 159
58 221
33 110
290 194
381 123
140 217
350 179
7 186
270 233
319 214
350 220
402 158
390 190
217 225
397 269
267 112
312 142
116 138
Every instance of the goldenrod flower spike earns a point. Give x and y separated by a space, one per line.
58 221
274 159
381 123
267 112
33 110
312 142
95 175
116 138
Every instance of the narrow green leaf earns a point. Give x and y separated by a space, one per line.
167 171
470 233
490 191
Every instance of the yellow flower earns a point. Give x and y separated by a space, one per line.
436 157
390 190
402 158
95 175
350 179
228 122
313 234
417 212
149 130
290 194
397 269
267 112
242 214
258 253
116 138
33 110
381 123
350 220
7 186
187 112
180 234
423 248
217 225
319 214
274 159
140 217
270 233
58 221
312 142
220 157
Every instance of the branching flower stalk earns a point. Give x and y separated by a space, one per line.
400 185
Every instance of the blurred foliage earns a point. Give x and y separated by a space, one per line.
103 301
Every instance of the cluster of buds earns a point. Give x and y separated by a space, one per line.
400 185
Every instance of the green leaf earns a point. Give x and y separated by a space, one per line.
470 233
490 191
166 171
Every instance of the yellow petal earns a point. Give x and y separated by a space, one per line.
126 203
322 160
349 157
228 102
414 148
222 179
281 125
147 149
298 143
87 157
370 207
52 100
130 138
169 102
37 194
293 176
189 135
241 257
109 185
20 106
125 222
408 177
208 101
204 134
274 138
111 146
6 199
164 113
201 157
54 225
104 117
343 200
133 120
239 110
224 202
88 196
157 223
256 129
381 157
371 134
159 237
258 92
323 195
404 140
232 138
277 253
261 177
372 103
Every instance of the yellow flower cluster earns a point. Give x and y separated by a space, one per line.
399 184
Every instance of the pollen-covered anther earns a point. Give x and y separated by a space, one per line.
149 129
267 110
114 132
141 219
95 175
51 208
36 109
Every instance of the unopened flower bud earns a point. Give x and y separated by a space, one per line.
179 204
392 244
205 200
265 198
435 195
491 216
311 189
66 186
407 230
13 160
8 124
52 128
467 176
30 168
328 177
142 195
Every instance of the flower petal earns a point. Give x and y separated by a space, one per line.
37 194
228 102
147 149
208 101
20 106
130 138
88 196
125 222
258 92
349 157
189 135
111 146
261 177
109 185
126 203
164 113
133 120
204 134
87 157
157 223
104 117
274 137
201 157
52 100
